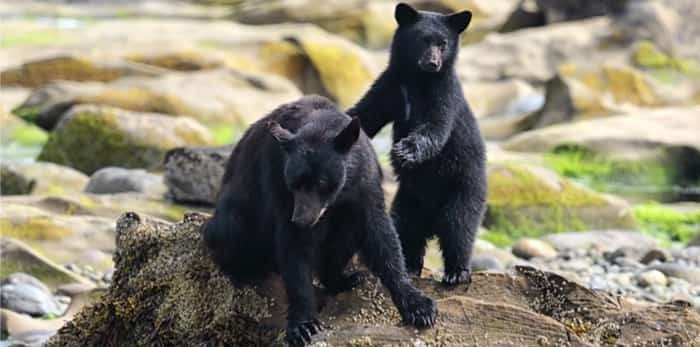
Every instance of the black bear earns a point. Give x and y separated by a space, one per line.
438 154
302 194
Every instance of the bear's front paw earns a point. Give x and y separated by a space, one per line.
299 332
454 278
419 310
405 152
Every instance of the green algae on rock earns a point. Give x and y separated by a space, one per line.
531 201
90 137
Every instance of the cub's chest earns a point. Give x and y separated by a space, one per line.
414 104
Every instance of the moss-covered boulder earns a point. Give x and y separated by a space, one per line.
531 201
39 72
48 178
16 256
239 97
166 291
660 144
91 137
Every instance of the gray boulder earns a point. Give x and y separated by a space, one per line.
193 174
111 180
25 294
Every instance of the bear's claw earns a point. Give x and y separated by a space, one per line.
299 333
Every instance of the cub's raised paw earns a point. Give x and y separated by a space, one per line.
456 277
419 310
299 333
405 153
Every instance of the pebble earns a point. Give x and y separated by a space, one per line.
652 278
532 248
656 254
686 272
485 263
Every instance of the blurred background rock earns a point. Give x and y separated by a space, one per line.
591 110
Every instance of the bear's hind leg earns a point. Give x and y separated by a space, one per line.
456 226
412 227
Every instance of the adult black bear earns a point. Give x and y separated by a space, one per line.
302 192
438 153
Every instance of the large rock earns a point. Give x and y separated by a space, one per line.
585 92
668 136
370 23
39 72
532 54
79 228
543 12
526 200
240 96
167 291
48 178
18 257
111 180
91 137
502 107
194 174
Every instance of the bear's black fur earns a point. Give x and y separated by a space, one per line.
303 159
438 153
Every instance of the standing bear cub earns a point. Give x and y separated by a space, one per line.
438 153
302 194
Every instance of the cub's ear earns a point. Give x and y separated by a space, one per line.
348 136
405 14
459 21
280 134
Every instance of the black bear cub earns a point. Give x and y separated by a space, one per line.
301 195
438 153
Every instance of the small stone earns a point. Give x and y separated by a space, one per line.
655 255
485 263
532 248
652 278
686 272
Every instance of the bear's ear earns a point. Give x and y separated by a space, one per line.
459 21
280 134
405 14
348 136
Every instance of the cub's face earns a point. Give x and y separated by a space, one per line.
315 169
427 41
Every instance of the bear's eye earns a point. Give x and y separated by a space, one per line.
443 43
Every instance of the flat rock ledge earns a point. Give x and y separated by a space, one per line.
166 292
